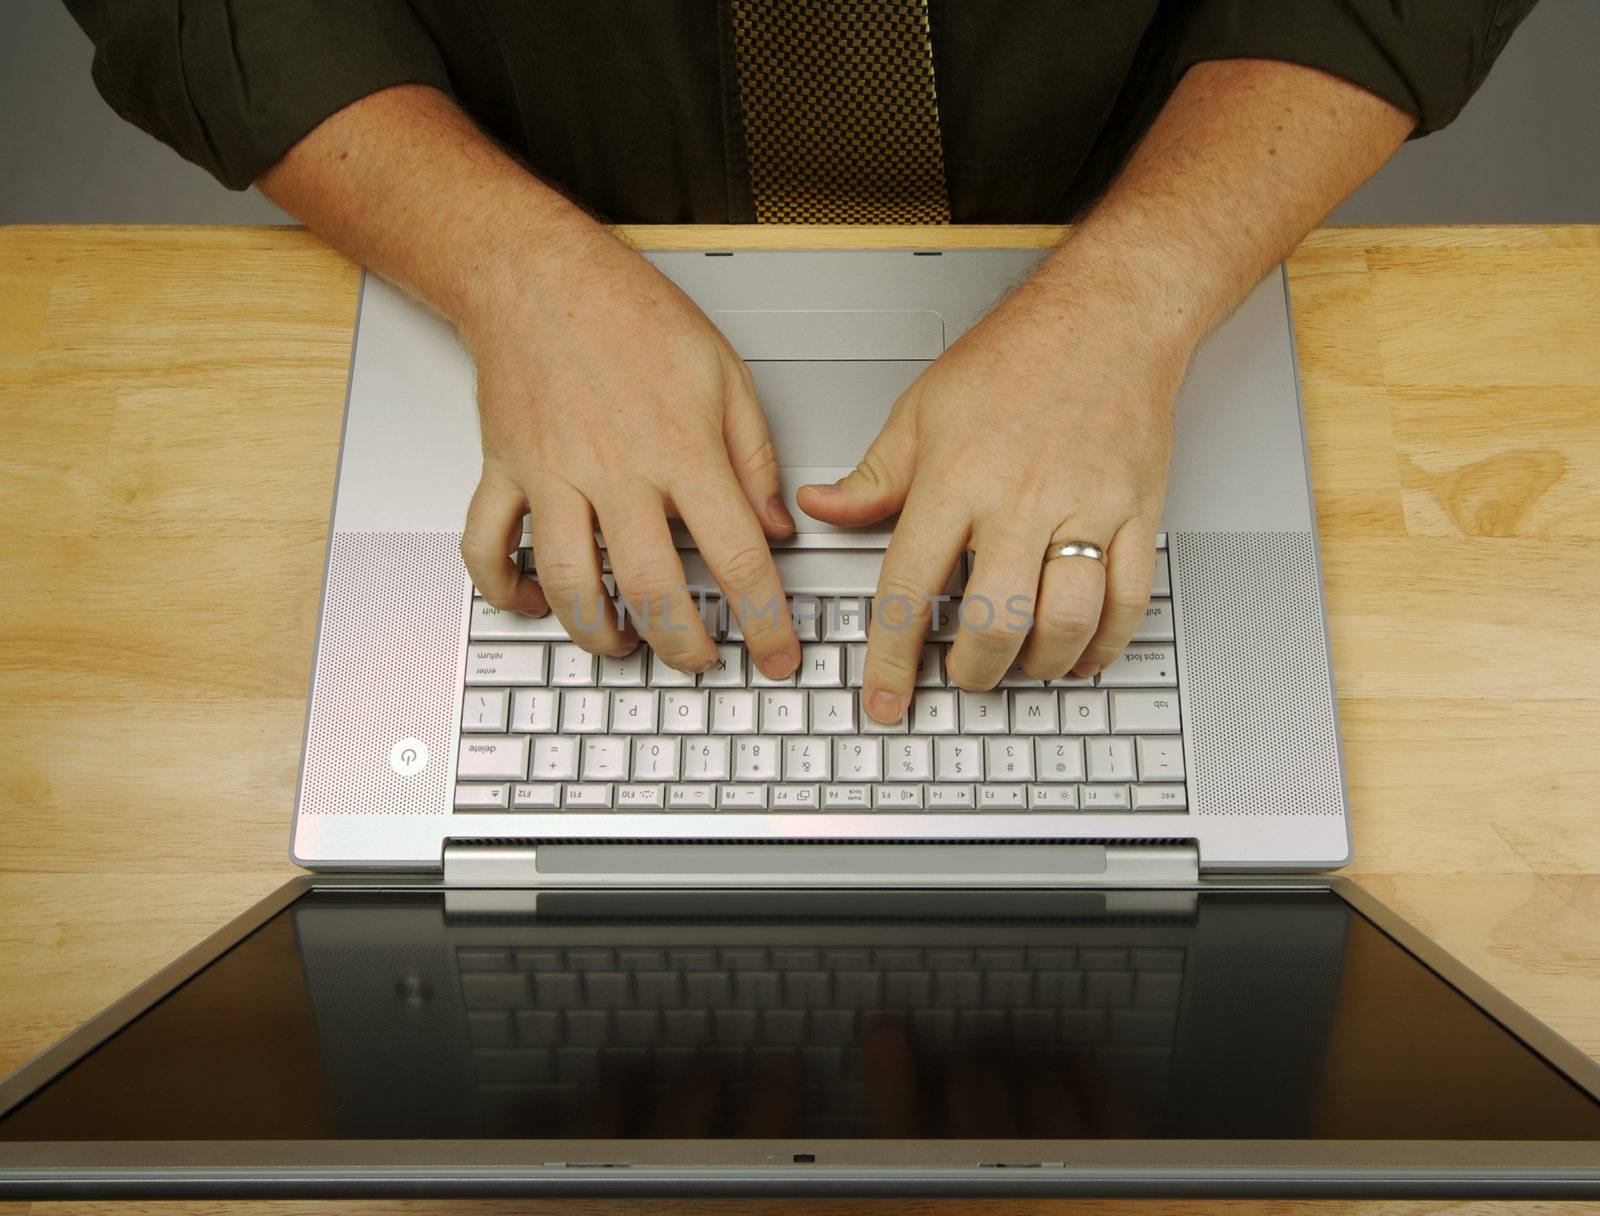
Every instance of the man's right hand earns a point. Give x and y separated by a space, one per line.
607 396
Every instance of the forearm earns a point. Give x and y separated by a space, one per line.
403 182
1244 160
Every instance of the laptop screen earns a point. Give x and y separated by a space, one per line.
1253 1015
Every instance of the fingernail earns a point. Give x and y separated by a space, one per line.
778 513
886 706
1086 671
776 666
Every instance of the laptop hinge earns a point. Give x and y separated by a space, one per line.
703 865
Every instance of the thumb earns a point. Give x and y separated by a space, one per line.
874 488
755 464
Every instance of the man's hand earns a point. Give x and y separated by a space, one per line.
1049 420
1035 427
607 395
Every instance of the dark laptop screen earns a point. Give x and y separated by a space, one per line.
1260 1015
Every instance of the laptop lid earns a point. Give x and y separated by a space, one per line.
1226 1038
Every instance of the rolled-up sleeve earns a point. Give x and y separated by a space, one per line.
1425 56
232 84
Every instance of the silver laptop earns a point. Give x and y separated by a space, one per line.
584 928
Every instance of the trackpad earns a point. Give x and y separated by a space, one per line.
824 414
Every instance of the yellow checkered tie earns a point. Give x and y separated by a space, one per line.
841 117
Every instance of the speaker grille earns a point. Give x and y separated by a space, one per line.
1258 692
387 669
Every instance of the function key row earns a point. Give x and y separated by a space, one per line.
701 796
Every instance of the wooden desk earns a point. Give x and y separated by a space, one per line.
170 403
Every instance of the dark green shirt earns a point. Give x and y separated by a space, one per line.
631 106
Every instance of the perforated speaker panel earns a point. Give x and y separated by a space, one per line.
1258 701
388 664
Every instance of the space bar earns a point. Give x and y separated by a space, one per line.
810 571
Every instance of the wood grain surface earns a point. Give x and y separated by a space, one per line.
170 406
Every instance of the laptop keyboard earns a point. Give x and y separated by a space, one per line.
547 726
548 1024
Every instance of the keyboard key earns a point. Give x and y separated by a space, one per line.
950 797
944 620
984 713
805 759
1160 758
655 758
555 758
806 611
604 758
632 712
1058 759
1156 625
1103 797
510 663
783 712
1171 797
755 758
1002 797
706 759
1109 759
871 726
1143 665
684 712
728 669
586 798
933 712
855 664
1017 678
571 666
624 672
1161 581
1052 798
584 711
472 797
691 797
537 796
742 797
846 797
958 759
909 759
1034 713
845 619
1008 759
492 757
490 624
833 713
858 759
1137 712
733 712
794 798
664 675
640 797
897 797
930 666
821 666
534 712
483 710
1084 713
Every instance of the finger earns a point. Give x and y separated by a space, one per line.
874 488
1130 567
997 606
568 564
736 551
1072 591
755 463
650 578
923 550
490 535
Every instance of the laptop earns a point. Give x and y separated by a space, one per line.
581 926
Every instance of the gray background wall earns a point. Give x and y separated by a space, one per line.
1527 149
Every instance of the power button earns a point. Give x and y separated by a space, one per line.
408 757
